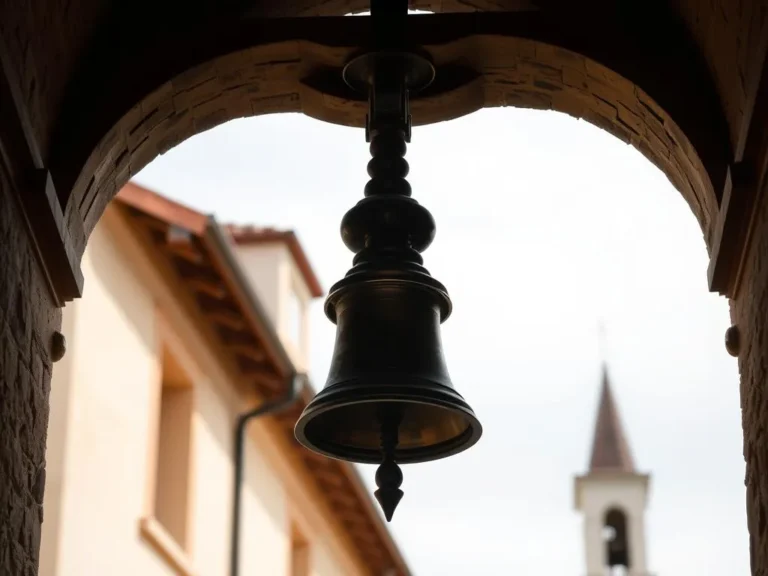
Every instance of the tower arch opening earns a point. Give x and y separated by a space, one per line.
616 535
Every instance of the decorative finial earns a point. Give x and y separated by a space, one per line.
389 477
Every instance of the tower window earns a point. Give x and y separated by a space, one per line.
616 541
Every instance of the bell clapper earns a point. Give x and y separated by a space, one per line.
389 477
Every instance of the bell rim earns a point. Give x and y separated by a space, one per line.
447 399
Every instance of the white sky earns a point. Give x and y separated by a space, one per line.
544 225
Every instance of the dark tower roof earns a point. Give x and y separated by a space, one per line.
610 450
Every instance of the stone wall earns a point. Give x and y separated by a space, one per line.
28 317
749 312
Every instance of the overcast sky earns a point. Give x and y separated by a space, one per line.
545 225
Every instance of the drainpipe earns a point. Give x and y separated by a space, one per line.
293 390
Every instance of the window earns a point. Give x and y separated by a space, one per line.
173 451
299 554
167 524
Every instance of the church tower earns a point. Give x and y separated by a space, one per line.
612 496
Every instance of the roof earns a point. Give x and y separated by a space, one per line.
194 248
610 449
250 235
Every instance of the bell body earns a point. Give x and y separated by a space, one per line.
388 359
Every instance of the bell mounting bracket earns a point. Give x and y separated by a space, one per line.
389 72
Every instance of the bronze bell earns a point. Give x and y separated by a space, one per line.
388 364
388 398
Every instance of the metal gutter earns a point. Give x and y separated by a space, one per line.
295 386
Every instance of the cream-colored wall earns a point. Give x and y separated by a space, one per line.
113 370
300 350
264 265
110 420
274 274
322 561
594 497
58 446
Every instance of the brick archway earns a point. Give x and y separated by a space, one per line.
482 70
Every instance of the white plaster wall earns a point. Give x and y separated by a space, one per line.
299 350
266 266
273 273
596 496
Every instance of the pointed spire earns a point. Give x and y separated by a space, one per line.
610 450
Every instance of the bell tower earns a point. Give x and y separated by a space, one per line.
612 496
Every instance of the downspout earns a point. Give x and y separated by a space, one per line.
293 391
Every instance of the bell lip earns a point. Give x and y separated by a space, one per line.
448 399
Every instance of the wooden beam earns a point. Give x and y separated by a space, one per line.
255 369
226 318
188 252
253 352
754 78
743 192
204 286
57 238
328 477
232 337
341 498
149 221
269 383
183 244
732 229
201 279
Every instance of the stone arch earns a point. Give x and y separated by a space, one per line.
190 92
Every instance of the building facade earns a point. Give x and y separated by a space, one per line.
612 497
186 326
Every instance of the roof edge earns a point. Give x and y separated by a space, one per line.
163 208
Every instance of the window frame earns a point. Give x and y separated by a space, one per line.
179 557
